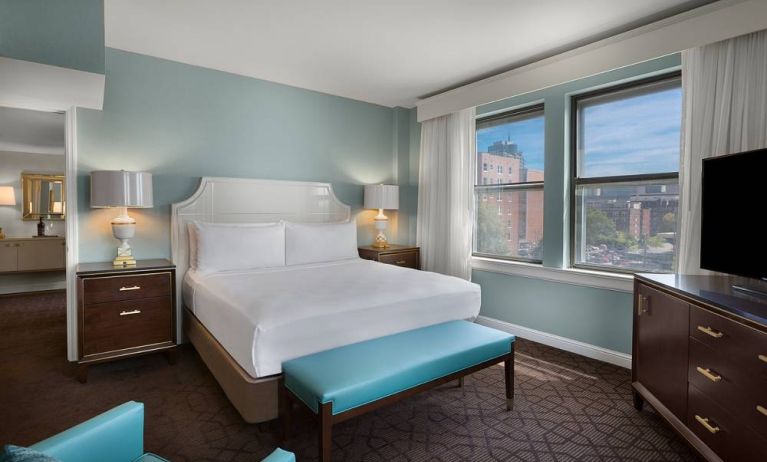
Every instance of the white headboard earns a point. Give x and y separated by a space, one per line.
246 200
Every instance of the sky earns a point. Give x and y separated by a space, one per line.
631 136
528 134
638 134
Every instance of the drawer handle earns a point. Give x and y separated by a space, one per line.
763 358
123 289
761 409
401 262
129 313
705 422
709 375
709 331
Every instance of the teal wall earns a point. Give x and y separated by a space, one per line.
595 316
181 122
64 33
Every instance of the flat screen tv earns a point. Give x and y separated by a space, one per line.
734 206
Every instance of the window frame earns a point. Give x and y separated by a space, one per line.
575 181
503 187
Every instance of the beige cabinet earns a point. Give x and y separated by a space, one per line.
19 255
8 257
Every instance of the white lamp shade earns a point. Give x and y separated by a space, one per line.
382 196
7 196
118 188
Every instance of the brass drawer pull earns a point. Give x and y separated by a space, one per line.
401 262
705 422
128 313
709 375
761 409
763 358
709 331
123 289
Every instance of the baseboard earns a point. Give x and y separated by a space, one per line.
563 343
32 287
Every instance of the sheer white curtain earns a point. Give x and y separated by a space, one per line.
445 193
725 111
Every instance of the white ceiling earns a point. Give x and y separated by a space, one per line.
33 132
389 52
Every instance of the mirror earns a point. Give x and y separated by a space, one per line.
44 196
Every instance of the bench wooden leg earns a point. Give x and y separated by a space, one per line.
508 369
460 383
326 434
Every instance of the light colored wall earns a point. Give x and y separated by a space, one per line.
64 33
181 122
595 316
414 155
13 164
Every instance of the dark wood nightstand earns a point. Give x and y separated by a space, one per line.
125 312
408 256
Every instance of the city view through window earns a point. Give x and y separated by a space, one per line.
626 183
625 179
509 186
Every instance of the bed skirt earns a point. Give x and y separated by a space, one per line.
255 399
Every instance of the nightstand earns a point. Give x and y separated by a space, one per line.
408 256
124 312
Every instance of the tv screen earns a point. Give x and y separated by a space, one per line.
733 237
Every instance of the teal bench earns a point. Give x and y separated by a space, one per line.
348 381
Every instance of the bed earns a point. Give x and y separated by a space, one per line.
245 323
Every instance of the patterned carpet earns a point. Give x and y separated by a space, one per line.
568 408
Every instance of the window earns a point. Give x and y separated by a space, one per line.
484 167
626 176
513 227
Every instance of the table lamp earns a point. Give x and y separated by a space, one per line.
381 197
7 197
121 189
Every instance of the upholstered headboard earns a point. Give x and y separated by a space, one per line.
246 200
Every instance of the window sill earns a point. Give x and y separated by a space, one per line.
580 277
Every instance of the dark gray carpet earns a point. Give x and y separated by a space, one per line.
568 408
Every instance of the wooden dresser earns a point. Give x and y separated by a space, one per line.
25 254
124 312
407 256
700 359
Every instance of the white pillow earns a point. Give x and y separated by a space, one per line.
222 247
320 242
192 229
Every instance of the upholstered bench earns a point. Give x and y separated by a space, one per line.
348 381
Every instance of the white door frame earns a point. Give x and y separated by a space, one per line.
41 87
72 237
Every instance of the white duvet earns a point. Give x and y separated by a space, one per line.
267 316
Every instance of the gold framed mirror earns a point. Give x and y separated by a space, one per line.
44 195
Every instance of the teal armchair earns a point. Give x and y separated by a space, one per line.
116 436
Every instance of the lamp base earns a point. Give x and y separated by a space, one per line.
122 261
380 241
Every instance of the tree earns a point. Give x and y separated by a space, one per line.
669 223
600 229
491 235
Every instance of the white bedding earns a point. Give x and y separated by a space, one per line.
266 316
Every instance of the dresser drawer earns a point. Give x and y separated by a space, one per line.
739 343
732 387
126 324
721 432
115 288
405 259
